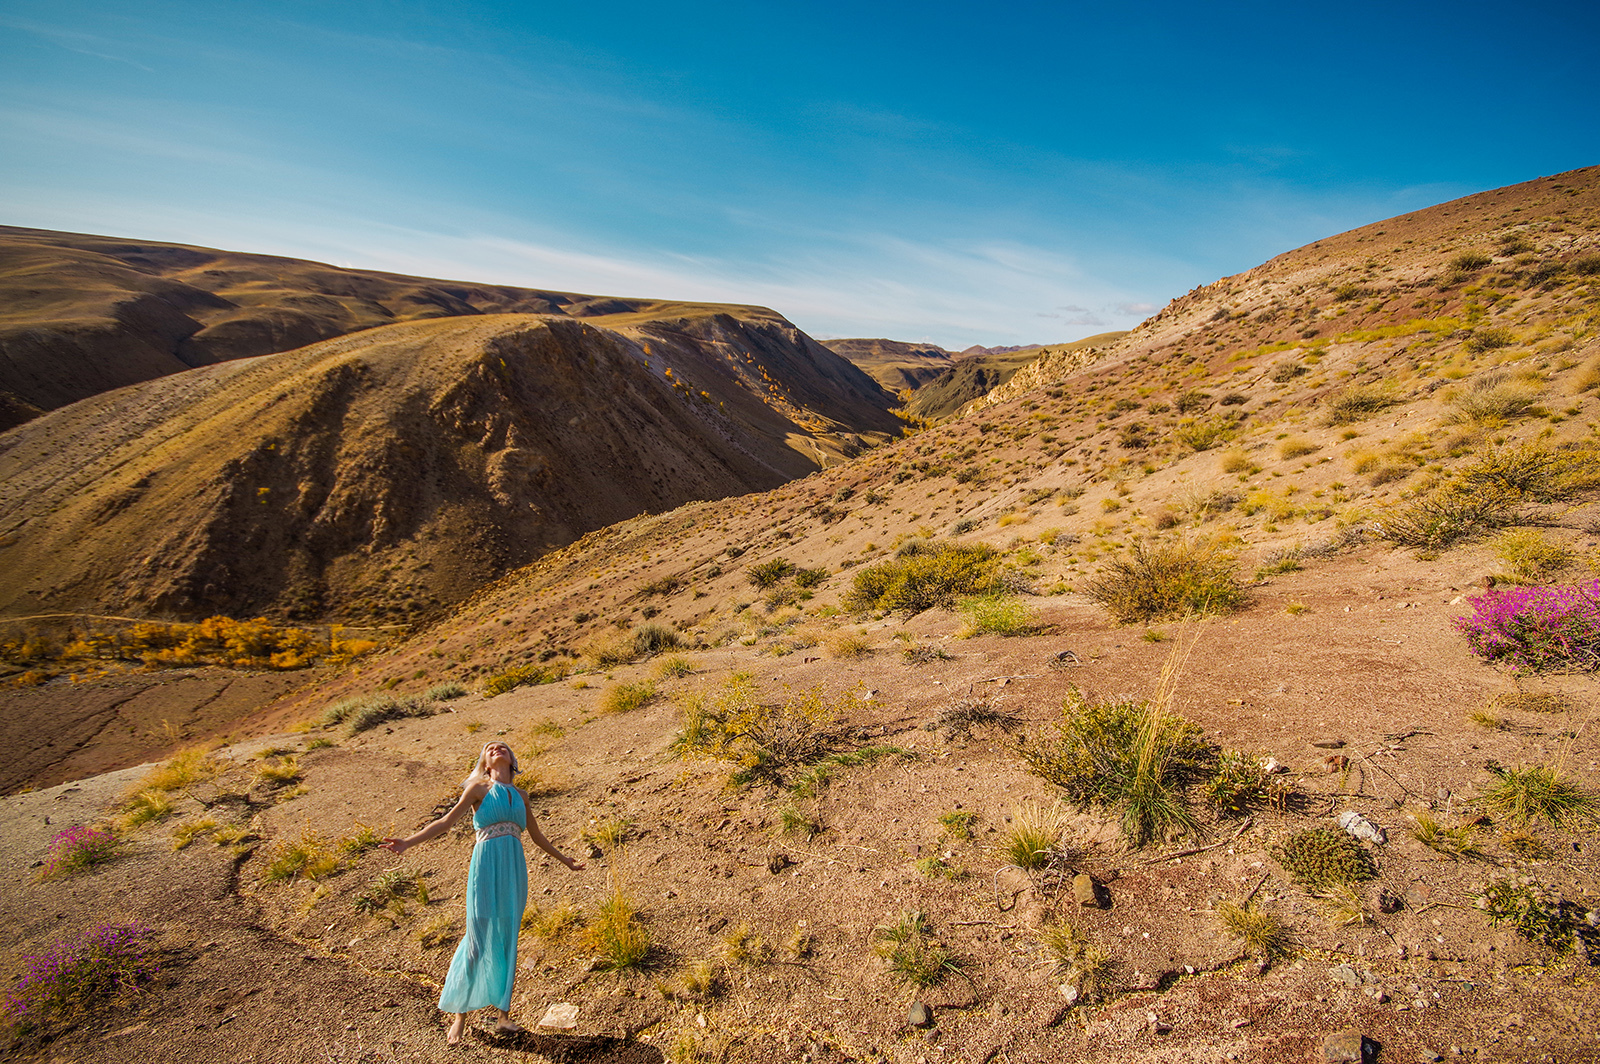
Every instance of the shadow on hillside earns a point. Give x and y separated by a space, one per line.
578 1049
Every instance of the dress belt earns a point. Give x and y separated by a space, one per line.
494 831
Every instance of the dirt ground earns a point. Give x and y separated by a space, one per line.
1372 665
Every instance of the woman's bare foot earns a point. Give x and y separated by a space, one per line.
457 1027
506 1025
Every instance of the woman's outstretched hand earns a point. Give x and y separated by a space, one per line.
395 845
576 866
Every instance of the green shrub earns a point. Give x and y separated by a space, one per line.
1237 783
1493 339
1586 265
933 574
1129 756
769 573
1539 914
446 692
809 578
651 639
1468 261
1446 516
999 614
1322 857
1192 401
80 975
1170 580
1034 837
1202 435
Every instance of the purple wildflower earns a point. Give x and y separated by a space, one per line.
1534 628
103 963
76 849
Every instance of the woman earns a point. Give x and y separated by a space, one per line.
497 888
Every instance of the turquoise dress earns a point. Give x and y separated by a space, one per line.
497 891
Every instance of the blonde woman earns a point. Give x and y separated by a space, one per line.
485 963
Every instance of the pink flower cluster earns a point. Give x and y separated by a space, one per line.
107 961
77 848
1534 628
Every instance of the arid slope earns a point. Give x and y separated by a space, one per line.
384 474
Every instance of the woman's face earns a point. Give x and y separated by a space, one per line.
497 754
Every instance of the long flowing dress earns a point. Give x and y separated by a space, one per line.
497 892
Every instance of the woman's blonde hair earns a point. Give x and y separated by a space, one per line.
480 771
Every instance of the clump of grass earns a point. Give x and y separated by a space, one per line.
818 774
308 857
1035 835
1456 842
608 835
363 840
183 769
1129 756
1342 905
145 807
792 821
923 654
1357 404
915 958
740 945
697 982
80 975
1530 701
389 887
924 574
1538 792
1260 932
1296 447
1088 967
524 676
848 644
1525 844
186 832
940 868
77 849
448 691
1237 783
1168 581
958 823
1539 914
767 574
997 613
674 668
626 697
1494 399
1483 718
616 934
1318 858
1529 554
962 716
438 932
554 925
280 773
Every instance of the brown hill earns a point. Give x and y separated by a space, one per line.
896 365
384 474
82 314
978 371
1371 370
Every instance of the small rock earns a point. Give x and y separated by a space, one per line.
778 862
1238 1023
561 1016
1270 766
1346 975
1069 992
1159 1026
1086 892
1389 902
919 1015
1329 744
1344 1047
1360 827
1428 1056
1336 762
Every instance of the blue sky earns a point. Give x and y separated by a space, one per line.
959 173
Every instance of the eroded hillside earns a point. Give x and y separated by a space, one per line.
383 475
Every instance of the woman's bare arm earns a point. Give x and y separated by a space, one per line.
469 799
